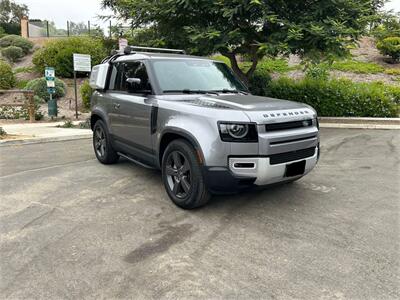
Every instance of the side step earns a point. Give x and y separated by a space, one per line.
135 161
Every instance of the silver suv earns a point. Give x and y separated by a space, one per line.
192 118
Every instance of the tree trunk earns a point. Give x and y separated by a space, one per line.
243 76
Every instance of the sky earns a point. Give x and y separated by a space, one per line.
61 11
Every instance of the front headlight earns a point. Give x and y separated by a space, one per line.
238 132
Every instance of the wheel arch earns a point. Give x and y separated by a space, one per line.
95 116
172 134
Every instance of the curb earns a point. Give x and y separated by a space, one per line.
44 140
359 126
360 121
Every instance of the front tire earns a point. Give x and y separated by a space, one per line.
102 144
182 176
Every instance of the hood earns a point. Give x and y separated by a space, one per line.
255 103
258 109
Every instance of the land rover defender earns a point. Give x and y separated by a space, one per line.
193 119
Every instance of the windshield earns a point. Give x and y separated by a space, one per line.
195 75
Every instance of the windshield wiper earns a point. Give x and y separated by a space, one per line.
225 91
188 91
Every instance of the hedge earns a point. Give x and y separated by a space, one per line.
338 98
86 93
58 54
391 47
12 53
7 78
17 41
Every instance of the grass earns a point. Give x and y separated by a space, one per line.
24 70
357 67
21 84
395 72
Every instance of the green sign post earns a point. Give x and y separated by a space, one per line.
49 74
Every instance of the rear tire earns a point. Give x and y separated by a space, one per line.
182 176
102 144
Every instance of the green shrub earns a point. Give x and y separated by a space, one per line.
58 54
21 84
17 41
357 67
86 93
3 133
391 47
7 78
39 86
318 71
337 98
12 53
67 124
259 82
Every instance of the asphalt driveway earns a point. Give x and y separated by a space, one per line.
73 228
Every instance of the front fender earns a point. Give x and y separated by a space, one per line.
203 133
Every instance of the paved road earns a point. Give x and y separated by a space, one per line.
73 228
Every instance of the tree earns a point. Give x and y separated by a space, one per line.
309 28
10 16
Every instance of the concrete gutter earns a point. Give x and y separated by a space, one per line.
359 123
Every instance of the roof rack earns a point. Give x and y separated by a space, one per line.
132 49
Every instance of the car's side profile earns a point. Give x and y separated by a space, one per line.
194 120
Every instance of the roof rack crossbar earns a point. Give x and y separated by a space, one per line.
130 49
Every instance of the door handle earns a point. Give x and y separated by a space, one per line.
117 105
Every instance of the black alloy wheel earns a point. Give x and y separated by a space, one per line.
178 174
182 175
102 144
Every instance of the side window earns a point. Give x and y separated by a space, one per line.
132 70
113 78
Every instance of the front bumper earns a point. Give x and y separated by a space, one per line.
247 172
265 172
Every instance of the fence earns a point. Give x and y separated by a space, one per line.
39 28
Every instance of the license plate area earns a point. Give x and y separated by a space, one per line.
295 169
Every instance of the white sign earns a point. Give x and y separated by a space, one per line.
82 63
50 84
49 73
122 44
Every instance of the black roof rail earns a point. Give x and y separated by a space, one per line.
132 49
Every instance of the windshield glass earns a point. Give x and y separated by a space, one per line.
195 75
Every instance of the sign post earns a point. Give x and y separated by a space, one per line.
50 75
82 63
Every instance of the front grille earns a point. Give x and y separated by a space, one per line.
288 125
291 156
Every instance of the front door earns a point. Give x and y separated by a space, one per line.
131 110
